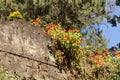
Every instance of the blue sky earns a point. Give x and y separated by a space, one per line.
112 33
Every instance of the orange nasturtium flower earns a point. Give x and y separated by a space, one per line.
51 25
62 57
70 30
99 63
34 22
105 54
97 57
58 51
116 53
38 20
64 39
75 30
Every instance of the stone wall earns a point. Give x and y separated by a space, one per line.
24 51
22 38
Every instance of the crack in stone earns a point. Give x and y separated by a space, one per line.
25 57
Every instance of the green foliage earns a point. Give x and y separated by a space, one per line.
2 75
71 13
5 76
67 41
89 62
77 13
94 37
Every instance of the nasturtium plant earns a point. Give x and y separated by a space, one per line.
72 49
37 22
68 41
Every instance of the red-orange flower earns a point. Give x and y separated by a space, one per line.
105 54
75 30
116 53
58 51
38 20
70 30
62 57
97 57
99 63
51 25
64 39
34 22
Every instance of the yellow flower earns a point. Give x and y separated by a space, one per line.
15 14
